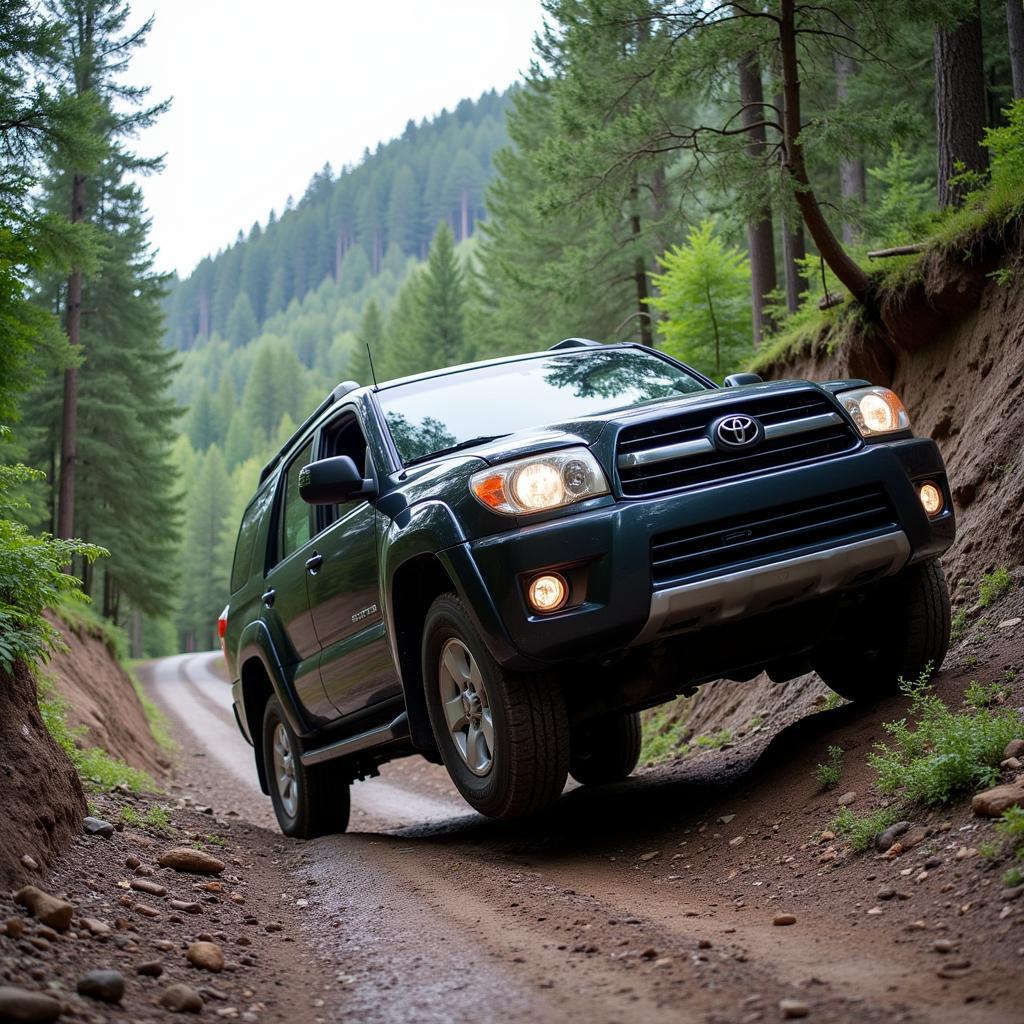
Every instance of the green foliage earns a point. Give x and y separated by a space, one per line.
664 732
978 695
96 768
158 817
994 586
712 741
958 627
862 829
947 753
158 724
1011 825
31 576
904 212
704 297
828 773
1013 877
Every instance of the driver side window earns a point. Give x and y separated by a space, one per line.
343 437
295 513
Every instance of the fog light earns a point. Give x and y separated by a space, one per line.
931 498
547 593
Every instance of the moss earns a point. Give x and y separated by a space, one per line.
83 618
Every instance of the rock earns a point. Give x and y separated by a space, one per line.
1009 623
875 911
149 887
98 827
100 929
737 840
18 1004
184 907
46 908
645 857
1015 748
885 839
146 910
993 802
887 893
846 799
914 837
29 862
726 818
1011 894
14 927
784 919
106 986
827 836
1011 764
793 1009
150 969
184 858
181 999
649 954
132 863
944 945
206 955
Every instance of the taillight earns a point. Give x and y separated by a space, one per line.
222 629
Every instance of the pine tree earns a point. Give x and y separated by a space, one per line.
242 326
224 408
371 333
201 423
438 335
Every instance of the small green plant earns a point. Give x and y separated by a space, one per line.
1011 826
971 660
1002 277
664 729
862 829
993 586
756 722
977 695
958 628
948 752
713 741
989 849
158 817
829 772
832 701
1012 877
216 841
130 816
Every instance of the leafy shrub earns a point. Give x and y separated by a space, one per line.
830 772
993 586
977 695
1013 877
1011 827
958 628
947 752
862 829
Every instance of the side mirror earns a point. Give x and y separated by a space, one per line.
333 481
736 380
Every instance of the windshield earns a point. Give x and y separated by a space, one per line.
455 409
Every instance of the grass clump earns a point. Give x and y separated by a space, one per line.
948 752
158 724
993 586
1012 877
130 816
958 627
829 772
158 817
862 829
712 741
977 695
95 767
663 733
83 618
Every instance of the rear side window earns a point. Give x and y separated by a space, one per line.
242 565
295 512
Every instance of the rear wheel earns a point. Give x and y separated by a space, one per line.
606 749
309 800
503 736
900 629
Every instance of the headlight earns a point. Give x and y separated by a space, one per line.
540 482
875 410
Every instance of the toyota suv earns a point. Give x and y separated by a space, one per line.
498 566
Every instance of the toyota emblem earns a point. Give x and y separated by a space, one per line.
737 431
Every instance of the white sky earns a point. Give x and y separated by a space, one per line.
265 91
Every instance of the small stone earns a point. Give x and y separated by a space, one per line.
703 943
649 954
1011 894
97 928
146 910
846 799
14 927
1009 623
886 893
46 908
914 837
132 863
645 857
184 907
181 999
185 858
98 827
1015 748
1011 764
18 1004
726 818
164 945
149 887
793 1009
784 919
944 945
105 986
29 862
885 839
150 969
966 851
827 836
875 911
206 955
993 802
737 840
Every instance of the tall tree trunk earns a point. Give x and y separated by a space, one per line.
760 236
640 271
852 176
69 420
959 103
793 249
1015 27
831 249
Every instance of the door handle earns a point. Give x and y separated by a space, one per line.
314 562
268 597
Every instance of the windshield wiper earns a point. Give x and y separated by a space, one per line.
471 443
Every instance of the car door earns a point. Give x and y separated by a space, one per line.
355 662
286 596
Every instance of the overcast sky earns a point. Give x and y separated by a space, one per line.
265 91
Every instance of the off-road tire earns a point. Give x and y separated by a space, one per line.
322 803
606 749
530 758
901 629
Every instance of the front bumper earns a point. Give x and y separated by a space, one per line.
611 548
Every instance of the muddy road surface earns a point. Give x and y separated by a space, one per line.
660 899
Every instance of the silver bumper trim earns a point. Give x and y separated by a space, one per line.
749 591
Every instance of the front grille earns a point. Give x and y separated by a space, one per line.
783 531
673 453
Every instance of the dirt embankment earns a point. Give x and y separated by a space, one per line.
41 799
101 697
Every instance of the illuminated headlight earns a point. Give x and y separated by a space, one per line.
875 410
540 482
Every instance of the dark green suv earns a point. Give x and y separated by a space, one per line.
497 566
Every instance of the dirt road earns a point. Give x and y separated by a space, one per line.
652 901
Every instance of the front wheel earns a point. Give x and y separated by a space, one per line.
606 749
503 736
899 631
309 801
